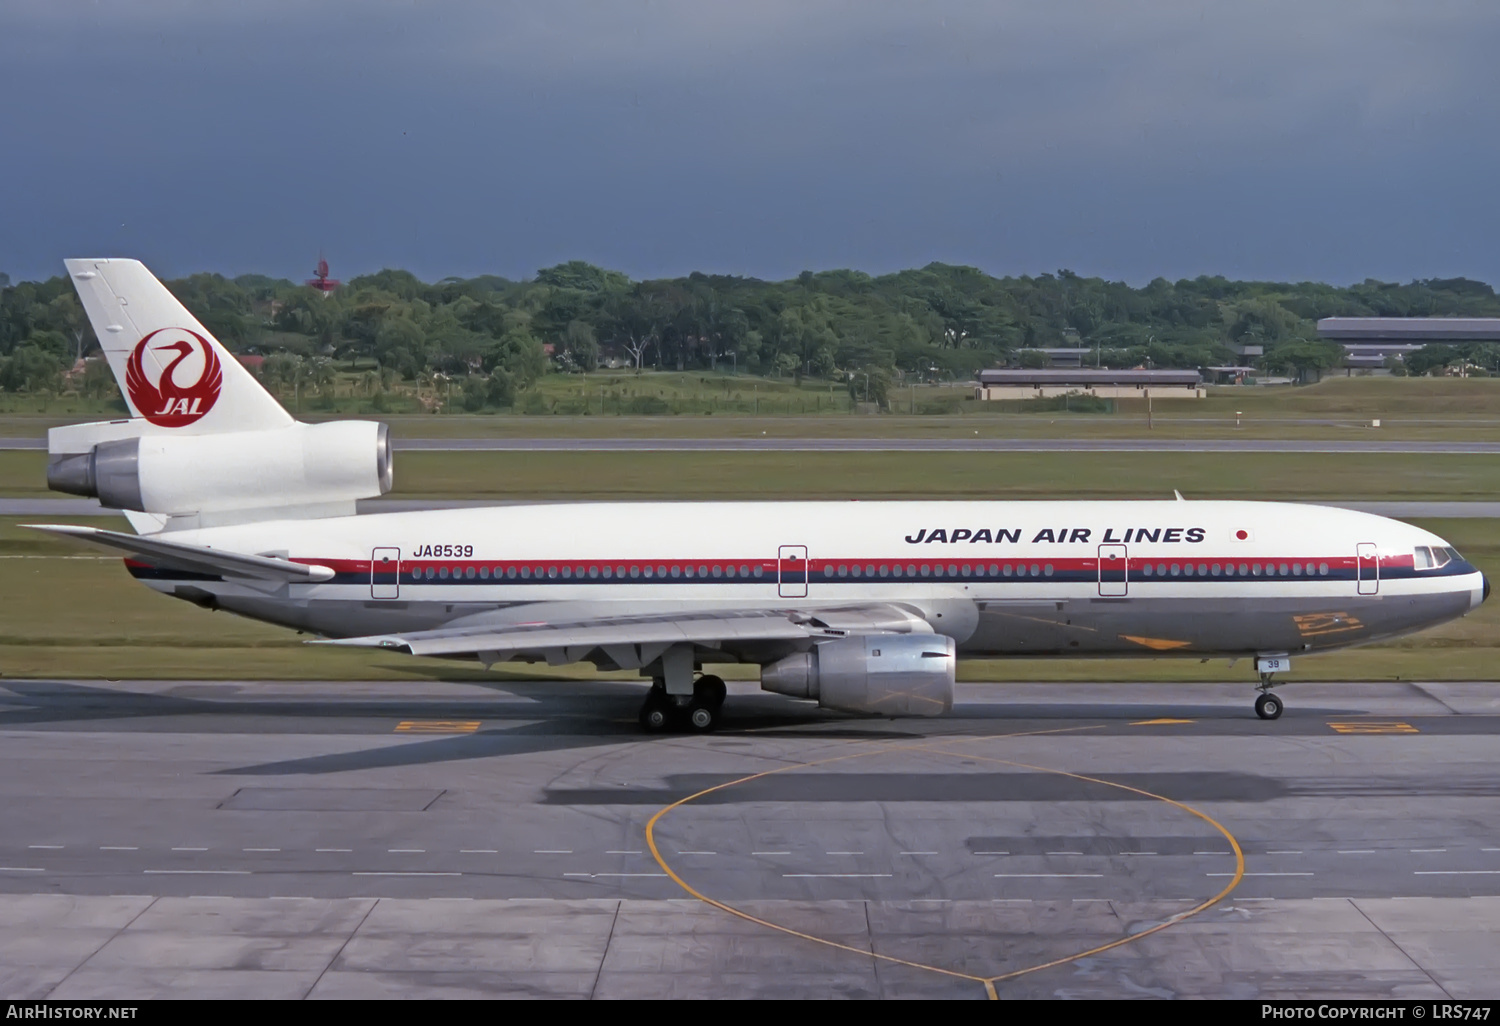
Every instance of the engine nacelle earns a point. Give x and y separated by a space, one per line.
890 674
301 466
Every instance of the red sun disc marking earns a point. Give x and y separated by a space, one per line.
170 402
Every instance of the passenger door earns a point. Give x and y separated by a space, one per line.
385 574
791 571
1114 571
1367 562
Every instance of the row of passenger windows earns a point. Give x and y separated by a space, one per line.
1231 569
527 573
831 570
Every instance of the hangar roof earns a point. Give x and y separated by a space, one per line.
1411 329
1069 376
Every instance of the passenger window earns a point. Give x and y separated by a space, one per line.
1283 570
843 570
1035 569
759 571
1047 569
1214 569
676 571
885 571
952 569
1322 569
469 573
1146 570
635 571
703 571
994 569
443 573
567 571
926 570
1006 570
1176 570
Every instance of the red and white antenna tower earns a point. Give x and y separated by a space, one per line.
322 282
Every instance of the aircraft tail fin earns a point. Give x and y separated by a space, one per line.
172 372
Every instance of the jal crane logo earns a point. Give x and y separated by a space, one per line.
169 402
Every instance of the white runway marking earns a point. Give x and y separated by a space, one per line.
553 851
196 872
920 853
492 851
836 876
46 847
1286 852
1356 851
1425 851
843 853
1213 853
1050 876
592 876
697 853
770 853
397 873
1064 853
21 869
986 853
117 847
1260 874
1137 853
622 853
1455 872
406 851
260 849
190 849
345 850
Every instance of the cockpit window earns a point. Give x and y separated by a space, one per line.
1430 558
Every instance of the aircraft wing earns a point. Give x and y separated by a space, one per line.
193 558
637 639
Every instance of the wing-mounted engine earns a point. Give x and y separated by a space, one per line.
892 674
226 477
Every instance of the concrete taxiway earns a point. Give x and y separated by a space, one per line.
513 837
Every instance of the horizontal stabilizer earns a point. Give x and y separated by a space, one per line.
193 558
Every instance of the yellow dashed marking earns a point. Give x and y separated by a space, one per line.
1158 723
437 726
1373 727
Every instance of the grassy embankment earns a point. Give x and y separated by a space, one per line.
1410 409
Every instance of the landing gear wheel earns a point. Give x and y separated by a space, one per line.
702 718
656 712
710 691
1268 706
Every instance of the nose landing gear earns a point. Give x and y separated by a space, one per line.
1267 705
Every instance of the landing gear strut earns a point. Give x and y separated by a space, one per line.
1267 705
698 712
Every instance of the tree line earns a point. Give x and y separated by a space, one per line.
940 322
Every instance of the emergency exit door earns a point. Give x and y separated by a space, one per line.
791 571
1367 560
1114 571
385 574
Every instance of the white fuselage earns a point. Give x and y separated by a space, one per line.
1001 578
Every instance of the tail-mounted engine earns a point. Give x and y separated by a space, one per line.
893 674
312 469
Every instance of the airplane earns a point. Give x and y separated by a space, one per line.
863 607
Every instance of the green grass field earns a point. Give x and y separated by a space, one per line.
1409 408
65 612
872 475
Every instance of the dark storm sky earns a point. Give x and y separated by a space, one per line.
1331 140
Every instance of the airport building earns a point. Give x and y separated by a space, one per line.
1103 383
1368 341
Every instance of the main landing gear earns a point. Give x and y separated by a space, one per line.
1267 705
698 712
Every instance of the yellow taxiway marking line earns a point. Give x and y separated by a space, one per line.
987 981
437 726
1373 727
1159 723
